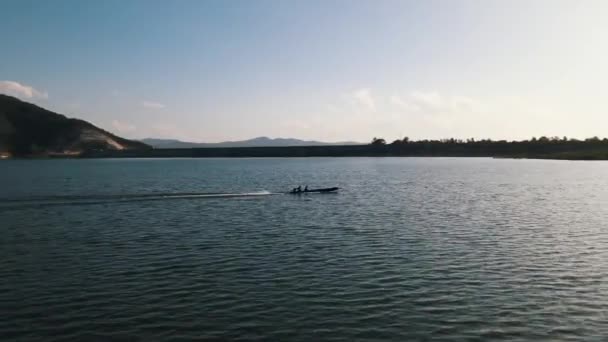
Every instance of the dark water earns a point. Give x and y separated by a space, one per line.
411 249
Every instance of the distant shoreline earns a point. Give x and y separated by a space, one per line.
513 150
534 149
133 156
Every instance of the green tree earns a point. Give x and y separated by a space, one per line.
378 142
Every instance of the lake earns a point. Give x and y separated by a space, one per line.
409 249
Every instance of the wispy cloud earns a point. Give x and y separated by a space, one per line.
403 104
433 103
152 105
123 127
21 90
364 97
427 99
417 113
463 103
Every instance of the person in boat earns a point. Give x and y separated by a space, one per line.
299 188
306 188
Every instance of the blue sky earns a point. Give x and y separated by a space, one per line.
326 70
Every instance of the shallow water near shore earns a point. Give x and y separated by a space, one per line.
409 249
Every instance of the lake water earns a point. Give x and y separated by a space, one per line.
409 249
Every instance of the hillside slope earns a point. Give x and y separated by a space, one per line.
28 130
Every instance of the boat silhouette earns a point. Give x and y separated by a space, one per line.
321 190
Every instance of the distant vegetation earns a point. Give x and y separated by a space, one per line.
543 147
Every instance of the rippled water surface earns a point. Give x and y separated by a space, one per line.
409 249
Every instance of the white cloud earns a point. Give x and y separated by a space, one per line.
364 97
463 103
418 114
153 105
434 104
428 100
403 104
21 90
123 127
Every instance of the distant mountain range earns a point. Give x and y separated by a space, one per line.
255 142
28 130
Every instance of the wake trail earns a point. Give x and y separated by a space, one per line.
59 200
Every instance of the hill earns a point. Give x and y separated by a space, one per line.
29 130
255 142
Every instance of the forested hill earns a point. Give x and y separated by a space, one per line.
28 130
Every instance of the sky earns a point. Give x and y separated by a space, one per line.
325 70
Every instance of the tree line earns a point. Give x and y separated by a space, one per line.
541 140
592 148
548 148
